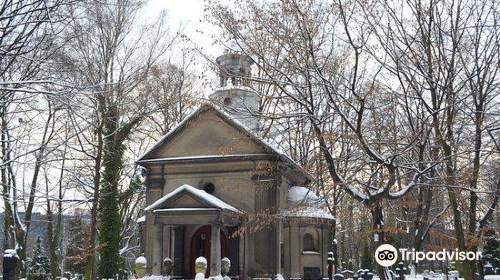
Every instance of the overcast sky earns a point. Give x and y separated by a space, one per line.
188 16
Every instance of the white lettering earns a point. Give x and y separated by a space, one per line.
441 255
420 257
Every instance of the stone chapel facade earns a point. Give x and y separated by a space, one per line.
211 174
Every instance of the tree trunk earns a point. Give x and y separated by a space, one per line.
378 236
89 268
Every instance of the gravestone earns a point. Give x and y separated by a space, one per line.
347 274
10 260
488 269
400 271
312 273
364 274
338 277
330 265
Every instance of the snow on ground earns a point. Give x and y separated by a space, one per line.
436 277
152 277
492 277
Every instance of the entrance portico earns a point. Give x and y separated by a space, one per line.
188 206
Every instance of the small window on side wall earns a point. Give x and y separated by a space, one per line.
309 243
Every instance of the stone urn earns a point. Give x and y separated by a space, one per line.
168 267
140 266
200 267
225 266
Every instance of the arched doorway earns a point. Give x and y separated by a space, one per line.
200 246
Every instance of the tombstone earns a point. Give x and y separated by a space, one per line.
368 275
453 274
312 273
400 271
10 260
497 271
355 277
347 274
488 269
338 277
200 268
330 265
168 267
225 266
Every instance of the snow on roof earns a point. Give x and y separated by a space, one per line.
185 209
234 122
170 133
141 219
258 138
197 193
298 194
305 203
309 212
202 157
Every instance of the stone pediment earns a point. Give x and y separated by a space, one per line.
188 198
209 133
206 132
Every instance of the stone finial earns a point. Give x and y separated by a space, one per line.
200 268
140 266
168 266
225 267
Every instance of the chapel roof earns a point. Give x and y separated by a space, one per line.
149 154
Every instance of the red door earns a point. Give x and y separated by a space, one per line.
200 246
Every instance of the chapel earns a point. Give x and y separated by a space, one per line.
215 188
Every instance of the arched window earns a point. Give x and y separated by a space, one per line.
309 243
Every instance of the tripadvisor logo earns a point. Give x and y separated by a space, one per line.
387 255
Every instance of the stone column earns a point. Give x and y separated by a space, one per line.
278 255
295 251
215 254
158 250
178 247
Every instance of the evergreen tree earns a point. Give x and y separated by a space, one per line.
109 233
491 250
39 268
77 242
366 258
350 266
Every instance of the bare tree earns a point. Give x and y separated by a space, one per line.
445 57
110 58
397 81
